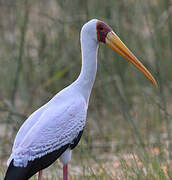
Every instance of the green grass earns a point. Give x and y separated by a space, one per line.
150 165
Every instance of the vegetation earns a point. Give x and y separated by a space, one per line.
128 132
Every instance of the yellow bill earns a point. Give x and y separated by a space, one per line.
113 41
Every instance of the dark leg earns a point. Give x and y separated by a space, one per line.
40 175
65 172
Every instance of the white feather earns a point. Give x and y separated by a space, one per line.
58 122
66 156
56 127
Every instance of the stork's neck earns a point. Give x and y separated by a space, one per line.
87 76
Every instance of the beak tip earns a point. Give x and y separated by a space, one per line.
155 84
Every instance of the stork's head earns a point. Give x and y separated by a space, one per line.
101 32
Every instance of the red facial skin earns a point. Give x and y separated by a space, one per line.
102 31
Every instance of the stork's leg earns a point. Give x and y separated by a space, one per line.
65 172
40 175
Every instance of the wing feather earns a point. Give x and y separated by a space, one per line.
27 125
56 127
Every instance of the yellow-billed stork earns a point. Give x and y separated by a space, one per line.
54 130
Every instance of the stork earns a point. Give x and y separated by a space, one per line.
54 130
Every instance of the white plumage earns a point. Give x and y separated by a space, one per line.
57 126
66 156
59 121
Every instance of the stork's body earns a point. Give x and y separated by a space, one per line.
55 129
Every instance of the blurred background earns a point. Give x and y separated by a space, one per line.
128 132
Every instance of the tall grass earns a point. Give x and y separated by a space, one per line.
128 131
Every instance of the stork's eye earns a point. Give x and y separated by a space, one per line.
101 28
